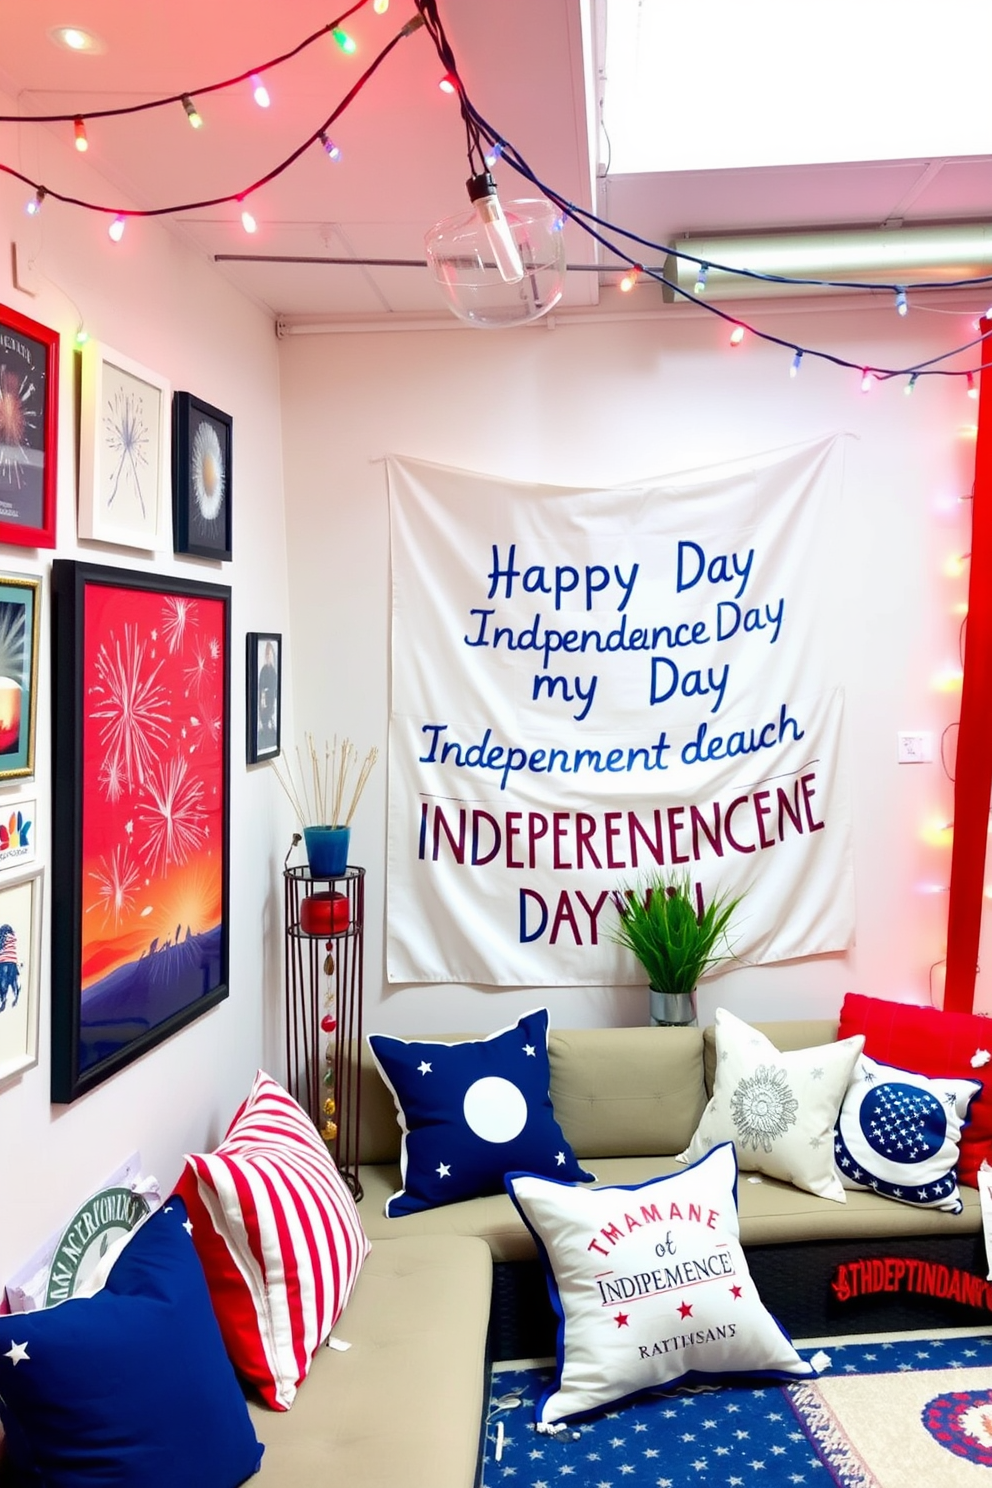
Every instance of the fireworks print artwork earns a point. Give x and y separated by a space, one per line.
130 443
153 808
18 420
207 474
22 432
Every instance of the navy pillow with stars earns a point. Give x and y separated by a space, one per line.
131 1386
471 1112
899 1133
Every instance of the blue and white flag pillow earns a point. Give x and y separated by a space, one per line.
471 1112
898 1133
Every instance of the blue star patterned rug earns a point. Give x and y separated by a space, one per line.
901 1413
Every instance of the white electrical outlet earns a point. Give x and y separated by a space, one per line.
915 748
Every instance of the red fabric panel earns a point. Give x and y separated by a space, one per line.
973 771
930 1042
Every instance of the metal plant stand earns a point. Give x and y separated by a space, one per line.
324 981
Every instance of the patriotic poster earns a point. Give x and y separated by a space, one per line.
593 686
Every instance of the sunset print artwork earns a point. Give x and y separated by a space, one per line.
151 886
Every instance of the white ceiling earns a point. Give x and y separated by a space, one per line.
403 162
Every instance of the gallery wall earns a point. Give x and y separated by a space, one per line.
583 403
157 303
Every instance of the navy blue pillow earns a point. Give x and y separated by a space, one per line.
129 1388
472 1112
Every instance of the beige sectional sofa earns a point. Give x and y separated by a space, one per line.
404 1404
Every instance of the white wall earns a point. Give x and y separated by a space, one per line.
614 402
154 301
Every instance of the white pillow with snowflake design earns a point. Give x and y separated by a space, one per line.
778 1109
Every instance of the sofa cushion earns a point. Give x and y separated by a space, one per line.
130 1386
931 1042
402 1407
779 1109
898 1133
279 1237
650 1285
471 1112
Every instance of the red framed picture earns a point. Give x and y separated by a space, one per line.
141 814
29 400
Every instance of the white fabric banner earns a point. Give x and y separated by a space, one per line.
592 685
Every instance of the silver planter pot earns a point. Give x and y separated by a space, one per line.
672 1009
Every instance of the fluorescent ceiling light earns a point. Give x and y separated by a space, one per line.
725 85
899 256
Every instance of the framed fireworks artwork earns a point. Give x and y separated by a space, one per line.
264 695
123 451
18 674
20 955
29 387
141 813
201 478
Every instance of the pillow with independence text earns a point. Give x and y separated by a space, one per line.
898 1133
471 1112
934 1043
778 1109
279 1236
131 1386
650 1286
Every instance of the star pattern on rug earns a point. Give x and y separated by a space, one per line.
729 1436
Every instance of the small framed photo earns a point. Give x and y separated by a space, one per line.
264 695
18 675
20 955
201 478
29 398
123 451
18 832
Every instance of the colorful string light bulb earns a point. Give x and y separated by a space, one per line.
380 6
33 207
82 335
902 304
191 112
116 229
700 285
247 220
972 386
737 335
493 154
449 83
866 380
630 278
911 384
331 150
79 130
345 42
260 92
797 362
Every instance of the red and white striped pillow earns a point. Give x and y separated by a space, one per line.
279 1237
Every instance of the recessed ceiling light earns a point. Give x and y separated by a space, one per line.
76 39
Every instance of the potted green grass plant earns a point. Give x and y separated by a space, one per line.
676 937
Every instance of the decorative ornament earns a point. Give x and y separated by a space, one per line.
330 1106
328 1022
329 1131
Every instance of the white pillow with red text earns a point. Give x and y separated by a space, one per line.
650 1286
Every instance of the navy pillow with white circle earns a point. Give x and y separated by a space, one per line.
899 1132
471 1112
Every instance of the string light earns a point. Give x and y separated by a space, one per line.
82 335
194 118
116 229
259 91
345 42
902 304
380 6
247 220
972 389
630 278
866 380
797 362
331 150
79 130
493 153
700 284
911 384
33 207
449 83
737 335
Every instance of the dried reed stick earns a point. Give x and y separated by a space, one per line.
329 784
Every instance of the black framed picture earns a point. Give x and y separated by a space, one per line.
264 695
201 478
141 813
